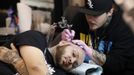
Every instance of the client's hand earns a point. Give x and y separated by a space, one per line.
67 35
9 56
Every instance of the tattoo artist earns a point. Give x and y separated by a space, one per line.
104 36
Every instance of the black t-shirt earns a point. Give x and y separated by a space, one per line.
120 59
31 38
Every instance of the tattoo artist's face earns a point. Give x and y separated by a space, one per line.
69 57
96 22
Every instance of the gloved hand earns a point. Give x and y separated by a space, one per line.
98 58
9 56
67 35
88 50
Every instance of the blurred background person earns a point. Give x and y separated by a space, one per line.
128 11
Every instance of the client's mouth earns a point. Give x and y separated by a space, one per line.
66 61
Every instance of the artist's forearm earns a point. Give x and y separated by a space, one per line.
98 58
20 67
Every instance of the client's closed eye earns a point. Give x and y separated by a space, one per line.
75 53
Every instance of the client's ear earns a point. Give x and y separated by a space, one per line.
61 43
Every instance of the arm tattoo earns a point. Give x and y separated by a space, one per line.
98 58
12 57
21 67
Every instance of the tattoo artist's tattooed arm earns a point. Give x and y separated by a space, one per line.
98 58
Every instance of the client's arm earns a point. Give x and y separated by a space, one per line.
11 56
34 59
33 63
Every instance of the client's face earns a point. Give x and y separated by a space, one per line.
69 56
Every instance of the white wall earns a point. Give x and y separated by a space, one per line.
40 3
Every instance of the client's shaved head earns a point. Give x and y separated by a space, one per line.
68 55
